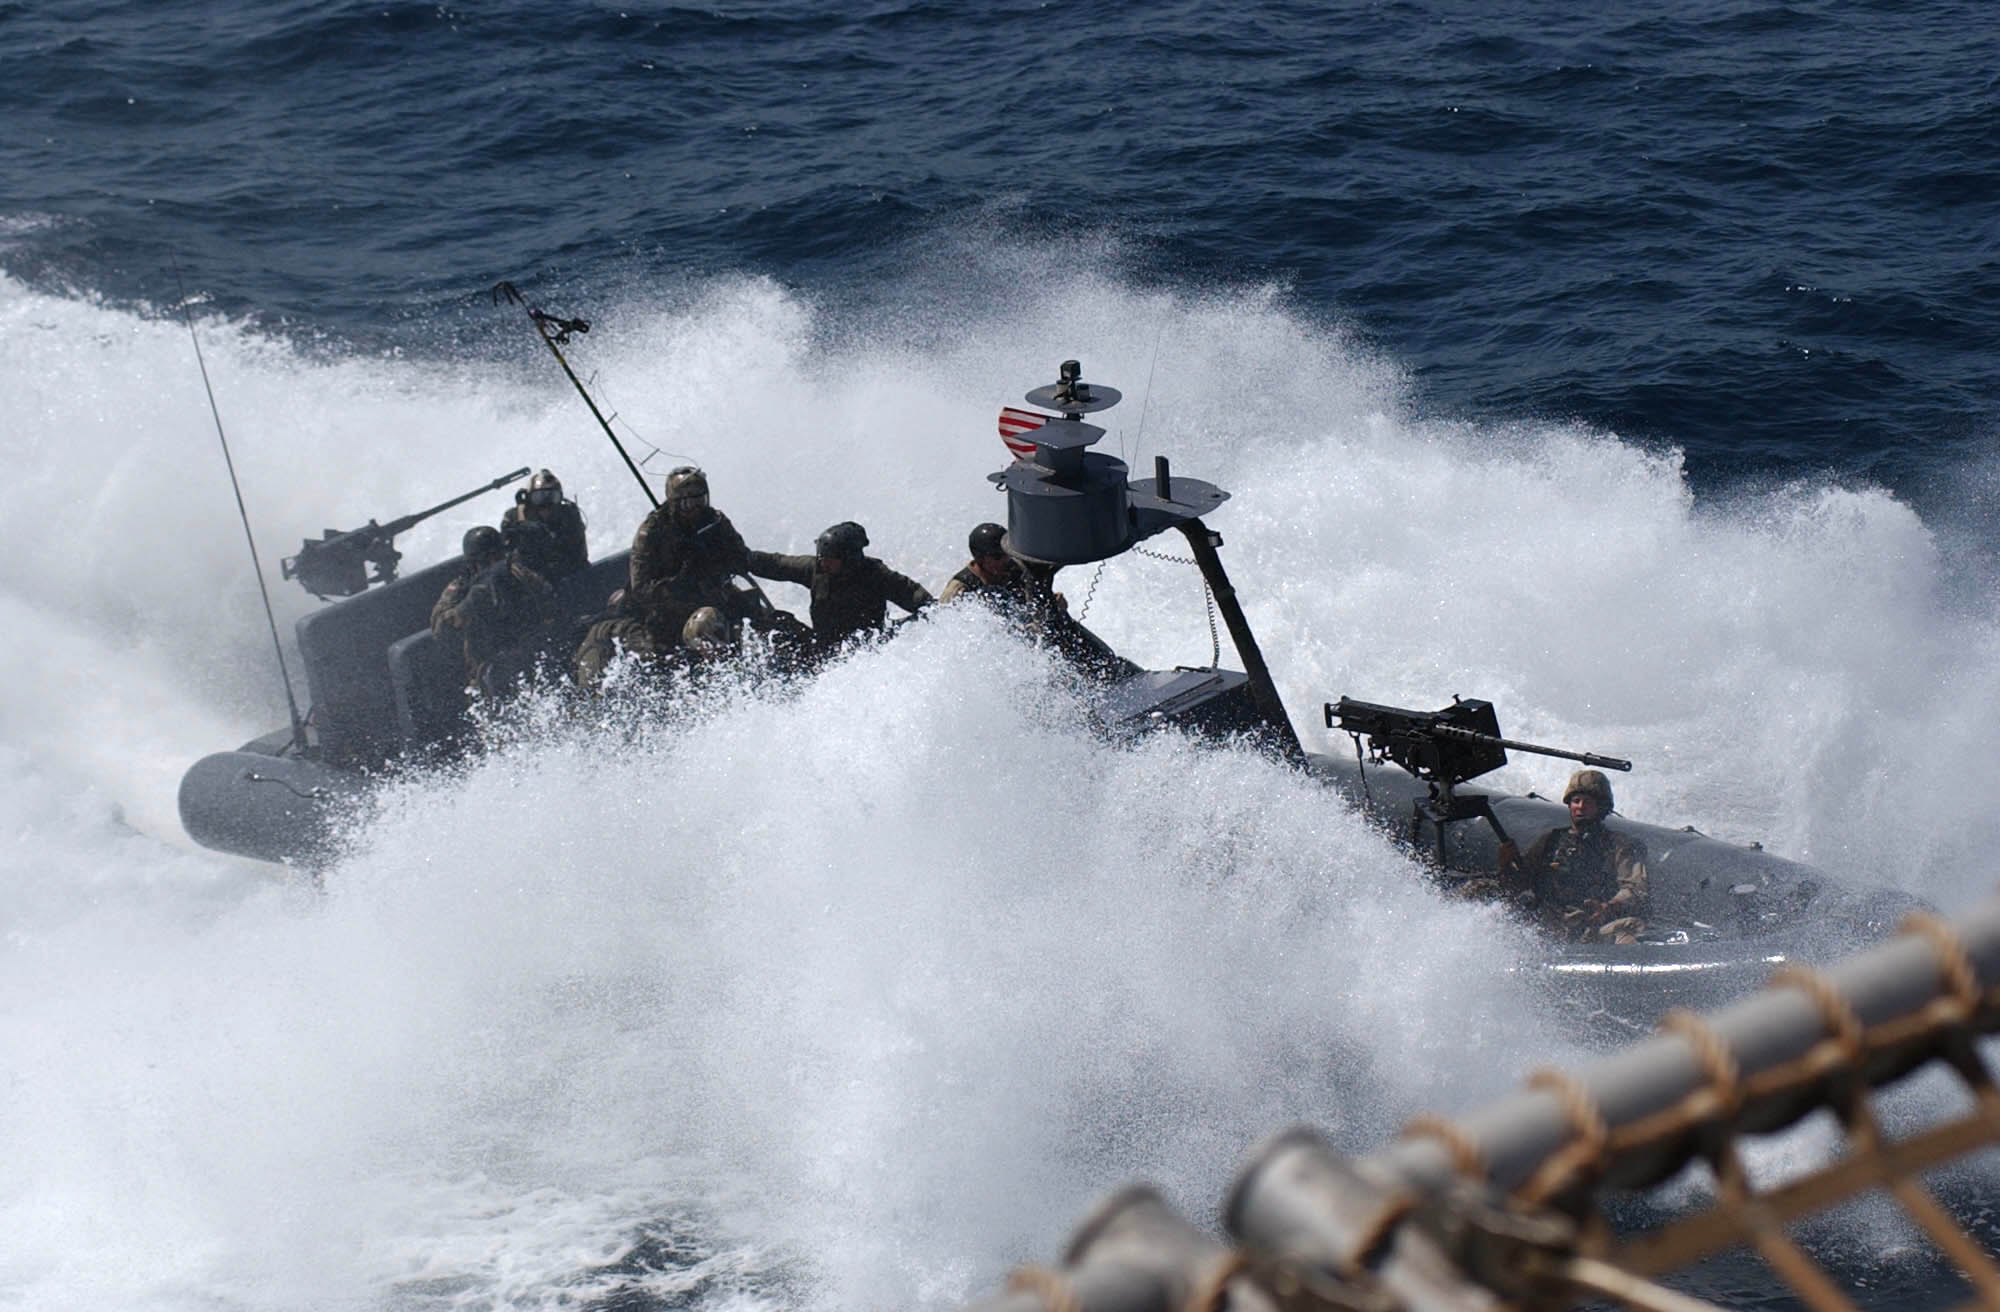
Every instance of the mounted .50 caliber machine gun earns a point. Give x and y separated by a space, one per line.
1444 749
336 565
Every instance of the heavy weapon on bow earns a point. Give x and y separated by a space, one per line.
337 564
1444 749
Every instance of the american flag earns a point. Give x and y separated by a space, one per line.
1015 425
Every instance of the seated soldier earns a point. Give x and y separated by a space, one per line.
546 530
851 591
494 612
614 630
684 555
706 639
1582 881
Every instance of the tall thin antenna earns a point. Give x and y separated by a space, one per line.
270 617
1146 398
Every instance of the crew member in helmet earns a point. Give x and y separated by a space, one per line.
708 642
615 630
1023 593
1583 881
708 635
545 529
992 575
494 612
684 555
851 591
705 637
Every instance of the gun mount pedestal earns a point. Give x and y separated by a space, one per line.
1444 749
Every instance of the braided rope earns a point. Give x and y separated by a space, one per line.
1056 1293
1210 1291
1955 970
1584 1153
1751 1218
1846 1039
1466 1156
1717 1062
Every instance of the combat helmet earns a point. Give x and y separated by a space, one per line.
1591 783
843 541
686 483
482 542
706 632
544 482
987 540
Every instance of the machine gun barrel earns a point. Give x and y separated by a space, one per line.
1488 740
336 565
407 522
1447 746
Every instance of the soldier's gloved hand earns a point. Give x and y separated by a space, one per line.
1594 911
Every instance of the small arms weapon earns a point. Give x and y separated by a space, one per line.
336 564
1444 749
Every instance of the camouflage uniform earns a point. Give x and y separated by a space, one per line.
1573 865
706 640
678 568
605 639
1010 596
554 548
854 600
1028 601
495 616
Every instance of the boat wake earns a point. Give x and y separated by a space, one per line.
859 992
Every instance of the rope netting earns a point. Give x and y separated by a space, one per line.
1513 1206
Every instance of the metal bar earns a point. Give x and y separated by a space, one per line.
1204 541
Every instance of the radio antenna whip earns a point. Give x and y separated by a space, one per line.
554 332
1146 397
243 513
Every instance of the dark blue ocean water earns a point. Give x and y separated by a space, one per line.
1763 232
1766 235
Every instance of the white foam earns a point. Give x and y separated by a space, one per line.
888 977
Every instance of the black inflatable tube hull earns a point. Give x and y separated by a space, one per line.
283 809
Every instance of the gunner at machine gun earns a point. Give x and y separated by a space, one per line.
1580 881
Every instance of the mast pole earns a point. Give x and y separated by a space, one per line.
1203 541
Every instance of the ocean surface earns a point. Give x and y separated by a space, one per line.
1630 366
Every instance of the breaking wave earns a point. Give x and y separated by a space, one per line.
856 992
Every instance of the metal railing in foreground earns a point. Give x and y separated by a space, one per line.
1505 1207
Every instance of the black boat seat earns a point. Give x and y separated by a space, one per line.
428 683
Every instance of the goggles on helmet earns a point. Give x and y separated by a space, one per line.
545 496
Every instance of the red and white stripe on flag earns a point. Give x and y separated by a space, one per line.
1014 424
